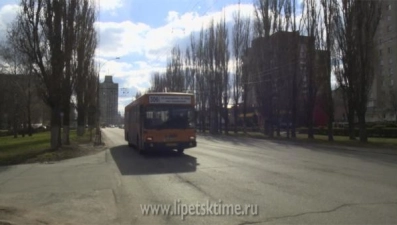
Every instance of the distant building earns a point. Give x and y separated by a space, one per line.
277 53
108 101
379 106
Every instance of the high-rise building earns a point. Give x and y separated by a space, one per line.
108 101
379 106
276 63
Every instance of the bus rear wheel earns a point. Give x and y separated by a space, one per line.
140 148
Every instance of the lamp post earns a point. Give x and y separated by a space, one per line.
98 136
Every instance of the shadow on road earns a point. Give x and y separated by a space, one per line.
245 141
130 162
4 168
366 154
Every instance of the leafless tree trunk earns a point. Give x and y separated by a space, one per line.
39 26
356 29
263 88
13 88
83 64
240 44
311 26
68 23
222 56
329 11
393 101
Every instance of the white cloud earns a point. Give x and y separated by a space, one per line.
120 39
151 45
172 15
7 15
109 5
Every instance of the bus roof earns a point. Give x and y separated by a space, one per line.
144 97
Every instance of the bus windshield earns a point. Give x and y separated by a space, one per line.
169 117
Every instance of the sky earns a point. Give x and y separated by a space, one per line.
136 36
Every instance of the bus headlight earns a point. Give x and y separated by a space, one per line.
149 139
192 138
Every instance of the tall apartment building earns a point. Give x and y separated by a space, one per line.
108 101
277 51
379 104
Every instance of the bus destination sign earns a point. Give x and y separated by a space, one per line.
168 99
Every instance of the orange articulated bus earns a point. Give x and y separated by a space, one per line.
161 121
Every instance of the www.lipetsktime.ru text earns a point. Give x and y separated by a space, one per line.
207 208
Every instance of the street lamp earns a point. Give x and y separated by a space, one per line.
98 136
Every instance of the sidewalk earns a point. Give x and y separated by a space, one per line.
73 191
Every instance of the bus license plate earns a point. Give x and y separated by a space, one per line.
171 144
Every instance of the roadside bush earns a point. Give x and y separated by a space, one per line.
5 133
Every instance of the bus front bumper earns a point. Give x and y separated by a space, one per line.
170 145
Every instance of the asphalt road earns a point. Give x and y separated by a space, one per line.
288 184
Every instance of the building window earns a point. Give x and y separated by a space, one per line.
383 83
388 28
380 40
391 82
390 71
381 62
390 61
389 50
388 18
380 52
389 6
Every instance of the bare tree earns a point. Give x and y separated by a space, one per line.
367 23
158 83
357 25
39 30
83 64
393 101
327 41
202 93
222 56
175 78
138 94
68 79
263 21
240 36
294 88
311 27
209 64
18 90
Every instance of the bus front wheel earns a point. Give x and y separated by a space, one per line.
180 151
140 148
128 139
